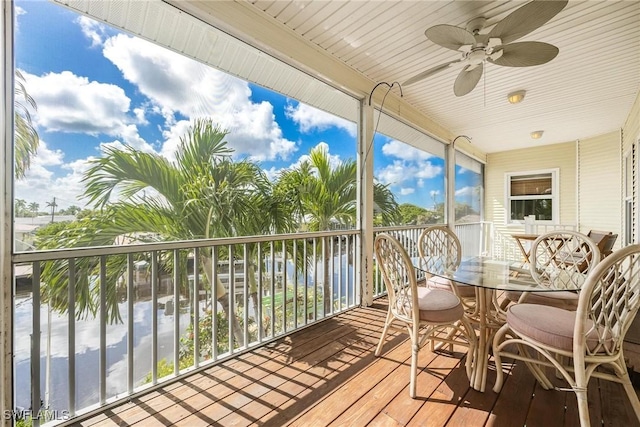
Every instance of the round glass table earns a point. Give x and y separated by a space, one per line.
487 276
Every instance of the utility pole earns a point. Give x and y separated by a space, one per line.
53 208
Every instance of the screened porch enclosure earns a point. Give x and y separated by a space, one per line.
233 324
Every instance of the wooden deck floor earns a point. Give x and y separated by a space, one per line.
327 375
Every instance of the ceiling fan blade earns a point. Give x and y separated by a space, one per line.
429 72
467 80
449 36
525 54
526 19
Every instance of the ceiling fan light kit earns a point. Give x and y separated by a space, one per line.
517 96
537 134
496 46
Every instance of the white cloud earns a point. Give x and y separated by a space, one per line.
176 84
70 103
400 171
434 193
41 184
18 11
407 191
273 172
73 104
310 118
466 191
47 157
93 30
427 170
404 151
409 165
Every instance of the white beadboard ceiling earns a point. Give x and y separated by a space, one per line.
587 90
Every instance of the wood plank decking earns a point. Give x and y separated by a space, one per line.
327 375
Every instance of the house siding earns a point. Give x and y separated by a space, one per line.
599 183
630 135
560 156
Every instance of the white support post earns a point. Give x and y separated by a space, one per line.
450 178
365 202
6 211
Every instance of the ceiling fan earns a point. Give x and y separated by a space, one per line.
495 47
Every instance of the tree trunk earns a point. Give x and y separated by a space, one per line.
253 292
223 300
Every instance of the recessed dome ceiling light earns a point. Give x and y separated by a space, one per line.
516 97
537 134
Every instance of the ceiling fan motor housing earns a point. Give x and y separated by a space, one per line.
476 24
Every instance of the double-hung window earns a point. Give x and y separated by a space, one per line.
533 193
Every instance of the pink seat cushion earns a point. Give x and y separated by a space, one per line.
437 282
561 299
548 325
439 306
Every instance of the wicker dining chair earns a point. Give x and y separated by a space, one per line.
426 313
560 259
576 343
440 253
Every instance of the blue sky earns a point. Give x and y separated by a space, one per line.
97 87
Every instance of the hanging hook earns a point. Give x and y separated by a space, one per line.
390 87
468 138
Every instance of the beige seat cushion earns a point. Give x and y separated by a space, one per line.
562 299
465 291
439 306
548 325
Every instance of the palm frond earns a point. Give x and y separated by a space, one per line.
130 171
27 140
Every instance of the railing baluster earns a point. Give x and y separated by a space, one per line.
340 308
260 293
154 317
347 264
103 329
272 314
315 279
71 345
35 344
196 307
305 283
332 267
130 314
214 302
176 312
295 283
245 294
285 280
231 295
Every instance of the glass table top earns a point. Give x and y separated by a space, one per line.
492 274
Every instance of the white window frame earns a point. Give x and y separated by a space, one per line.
555 195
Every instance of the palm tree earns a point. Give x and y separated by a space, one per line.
203 194
26 137
53 205
20 205
33 207
322 194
